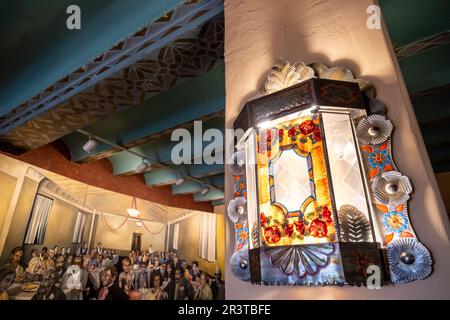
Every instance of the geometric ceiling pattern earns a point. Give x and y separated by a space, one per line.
198 50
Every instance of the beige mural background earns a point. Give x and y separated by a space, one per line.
121 239
19 183
8 186
334 32
188 243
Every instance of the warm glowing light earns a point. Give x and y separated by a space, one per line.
133 210
139 223
265 124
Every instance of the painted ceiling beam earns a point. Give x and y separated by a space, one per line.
189 17
187 187
219 202
217 180
35 31
204 170
427 69
160 151
125 163
160 177
165 176
196 98
213 194
417 47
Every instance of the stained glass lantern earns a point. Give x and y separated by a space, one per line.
317 197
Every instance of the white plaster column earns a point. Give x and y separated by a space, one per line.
334 32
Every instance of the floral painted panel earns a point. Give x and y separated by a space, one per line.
311 220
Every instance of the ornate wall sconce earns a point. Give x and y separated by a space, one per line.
317 196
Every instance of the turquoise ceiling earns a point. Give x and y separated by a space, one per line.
164 69
412 20
37 49
423 29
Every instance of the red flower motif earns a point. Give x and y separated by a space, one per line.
308 126
317 135
318 228
263 219
328 220
289 229
300 226
269 136
280 133
326 212
292 131
272 234
326 215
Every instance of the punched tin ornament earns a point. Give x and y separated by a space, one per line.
313 147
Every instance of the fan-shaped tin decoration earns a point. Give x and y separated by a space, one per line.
374 129
354 225
237 209
391 188
237 163
240 265
301 260
342 74
284 75
409 260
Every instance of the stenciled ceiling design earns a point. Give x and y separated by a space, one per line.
154 137
163 77
46 117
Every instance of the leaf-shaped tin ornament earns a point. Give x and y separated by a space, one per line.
354 225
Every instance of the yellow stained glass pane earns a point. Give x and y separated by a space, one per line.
294 197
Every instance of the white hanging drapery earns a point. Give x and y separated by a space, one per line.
39 220
207 243
176 232
79 227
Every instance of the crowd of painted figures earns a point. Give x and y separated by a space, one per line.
101 274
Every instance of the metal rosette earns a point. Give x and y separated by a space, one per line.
237 210
409 260
391 188
374 129
240 265
237 213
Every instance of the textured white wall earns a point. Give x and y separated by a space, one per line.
334 32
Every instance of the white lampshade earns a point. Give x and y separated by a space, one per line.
133 212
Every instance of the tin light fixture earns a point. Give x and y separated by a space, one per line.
318 198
